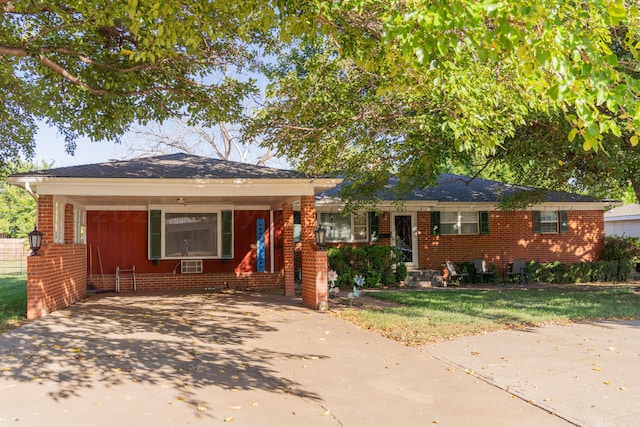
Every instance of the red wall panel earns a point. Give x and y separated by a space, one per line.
119 238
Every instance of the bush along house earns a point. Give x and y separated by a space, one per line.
181 222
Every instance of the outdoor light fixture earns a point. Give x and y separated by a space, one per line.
321 233
35 240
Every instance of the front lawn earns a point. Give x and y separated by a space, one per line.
432 316
13 301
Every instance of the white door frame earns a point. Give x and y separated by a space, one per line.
414 235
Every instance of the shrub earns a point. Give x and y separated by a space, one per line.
625 250
379 265
583 272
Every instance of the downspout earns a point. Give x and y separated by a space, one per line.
27 187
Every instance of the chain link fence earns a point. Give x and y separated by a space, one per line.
13 257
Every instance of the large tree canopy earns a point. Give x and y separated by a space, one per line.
402 86
380 87
94 68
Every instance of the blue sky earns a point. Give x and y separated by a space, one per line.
50 148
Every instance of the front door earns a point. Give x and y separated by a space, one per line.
404 234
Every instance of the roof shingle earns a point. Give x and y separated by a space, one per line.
171 166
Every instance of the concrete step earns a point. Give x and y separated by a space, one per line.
423 278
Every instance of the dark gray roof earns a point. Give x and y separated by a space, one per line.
171 166
456 188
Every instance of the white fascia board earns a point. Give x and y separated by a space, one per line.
409 206
621 218
178 187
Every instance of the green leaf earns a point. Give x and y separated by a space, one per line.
572 134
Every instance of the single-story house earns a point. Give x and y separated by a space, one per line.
178 222
623 221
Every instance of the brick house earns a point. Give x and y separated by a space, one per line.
181 222
459 220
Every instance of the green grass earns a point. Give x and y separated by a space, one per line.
432 316
13 301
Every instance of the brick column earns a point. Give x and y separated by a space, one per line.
45 219
314 261
68 223
288 249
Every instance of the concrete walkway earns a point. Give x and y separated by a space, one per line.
588 373
251 360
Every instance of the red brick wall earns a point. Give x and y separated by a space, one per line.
511 237
197 281
56 278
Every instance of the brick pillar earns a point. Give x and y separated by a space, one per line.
314 261
68 223
45 219
288 249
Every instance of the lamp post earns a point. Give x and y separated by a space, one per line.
321 233
35 240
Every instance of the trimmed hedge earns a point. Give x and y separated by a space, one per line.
379 265
583 272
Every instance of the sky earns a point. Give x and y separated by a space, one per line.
51 149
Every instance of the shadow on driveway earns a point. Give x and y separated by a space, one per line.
204 359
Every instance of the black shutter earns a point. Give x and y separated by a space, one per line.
155 234
563 221
227 234
435 223
484 222
537 224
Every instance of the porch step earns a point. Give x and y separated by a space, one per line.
424 279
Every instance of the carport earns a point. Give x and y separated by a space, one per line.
181 222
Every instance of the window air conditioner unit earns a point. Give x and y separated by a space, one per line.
189 266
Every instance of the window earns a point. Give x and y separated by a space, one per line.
79 225
58 222
350 228
548 222
461 222
297 227
190 234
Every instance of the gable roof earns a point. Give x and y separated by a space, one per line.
170 166
457 188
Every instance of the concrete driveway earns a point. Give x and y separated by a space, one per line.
245 360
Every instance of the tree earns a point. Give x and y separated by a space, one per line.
542 154
398 87
94 68
222 142
17 207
